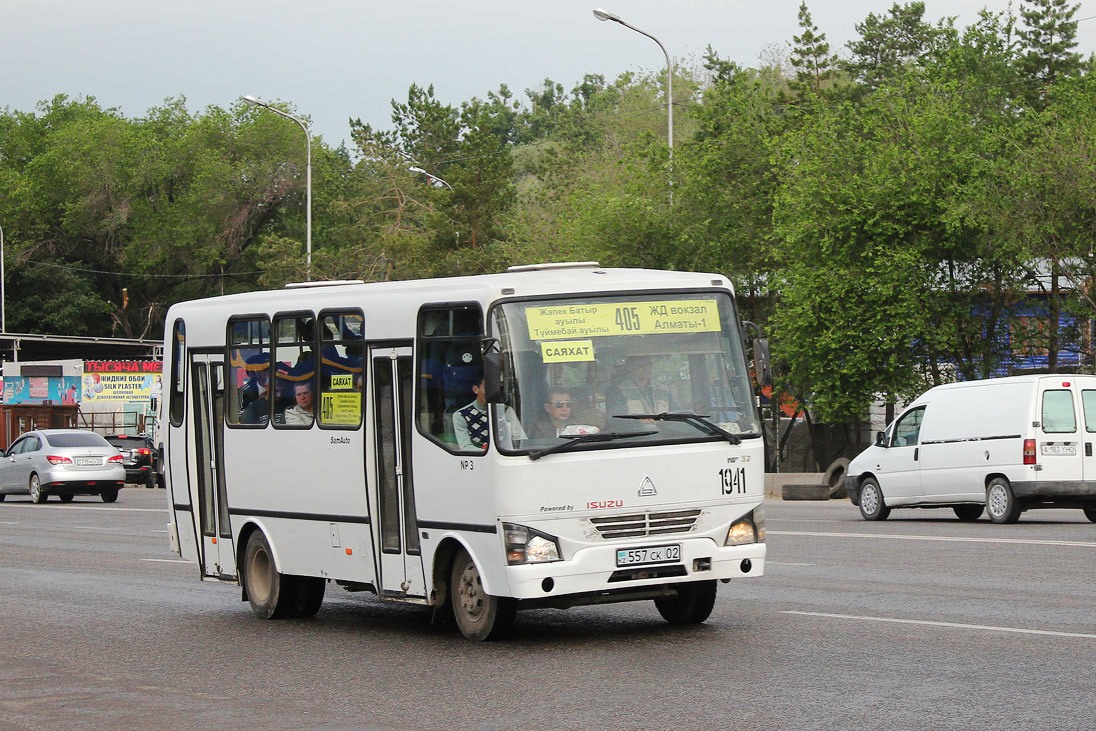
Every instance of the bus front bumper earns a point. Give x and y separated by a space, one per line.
605 569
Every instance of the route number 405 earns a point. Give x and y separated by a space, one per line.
733 480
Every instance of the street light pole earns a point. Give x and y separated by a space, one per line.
604 15
256 102
434 179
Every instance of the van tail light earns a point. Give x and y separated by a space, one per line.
1029 451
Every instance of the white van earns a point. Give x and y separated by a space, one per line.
1004 445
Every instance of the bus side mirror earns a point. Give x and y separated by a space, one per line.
762 362
494 378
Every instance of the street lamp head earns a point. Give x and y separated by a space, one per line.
601 14
254 101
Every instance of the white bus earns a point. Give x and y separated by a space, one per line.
651 487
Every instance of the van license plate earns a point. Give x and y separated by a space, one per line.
648 555
1060 450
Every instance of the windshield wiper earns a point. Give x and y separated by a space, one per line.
700 421
573 439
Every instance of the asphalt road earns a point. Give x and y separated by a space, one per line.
918 622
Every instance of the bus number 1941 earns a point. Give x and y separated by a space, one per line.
733 480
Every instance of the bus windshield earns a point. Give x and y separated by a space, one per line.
622 367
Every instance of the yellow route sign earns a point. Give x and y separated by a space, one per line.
555 322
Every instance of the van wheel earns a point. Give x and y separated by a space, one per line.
1000 502
968 512
479 615
692 605
872 506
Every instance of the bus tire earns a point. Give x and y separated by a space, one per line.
692 605
1001 504
309 595
109 495
872 506
479 615
270 593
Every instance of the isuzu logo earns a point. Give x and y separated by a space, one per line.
647 488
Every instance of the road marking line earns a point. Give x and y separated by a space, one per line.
956 625
90 527
166 560
945 539
786 563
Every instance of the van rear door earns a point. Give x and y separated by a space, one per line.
1059 450
1088 409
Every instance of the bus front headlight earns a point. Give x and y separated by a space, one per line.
747 529
525 545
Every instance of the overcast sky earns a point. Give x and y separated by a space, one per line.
334 60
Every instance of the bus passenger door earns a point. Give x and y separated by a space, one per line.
207 387
396 532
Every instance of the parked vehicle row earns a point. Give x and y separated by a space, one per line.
71 462
1000 446
62 462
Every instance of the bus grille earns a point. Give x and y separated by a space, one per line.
645 524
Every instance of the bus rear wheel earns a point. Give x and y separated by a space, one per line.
308 595
479 615
692 605
270 593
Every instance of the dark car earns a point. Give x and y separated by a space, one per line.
138 457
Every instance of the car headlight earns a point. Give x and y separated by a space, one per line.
747 529
525 545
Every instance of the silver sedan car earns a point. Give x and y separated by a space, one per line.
62 462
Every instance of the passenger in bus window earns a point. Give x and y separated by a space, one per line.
470 425
635 393
556 416
470 421
300 413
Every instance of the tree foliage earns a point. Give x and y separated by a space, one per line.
884 211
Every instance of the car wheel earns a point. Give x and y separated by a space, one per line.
36 494
1001 504
109 495
692 605
968 512
270 593
150 482
872 506
2 496
67 498
479 615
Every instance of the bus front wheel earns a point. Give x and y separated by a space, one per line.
479 615
692 605
269 592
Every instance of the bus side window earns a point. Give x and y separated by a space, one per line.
450 362
248 388
339 402
295 368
